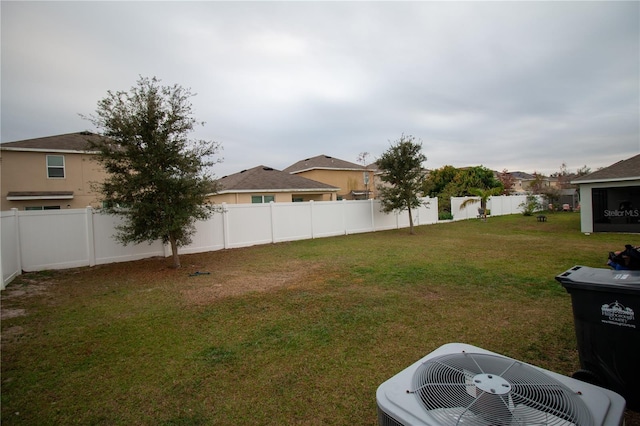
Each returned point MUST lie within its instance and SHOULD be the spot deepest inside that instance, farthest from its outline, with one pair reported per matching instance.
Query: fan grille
(481, 389)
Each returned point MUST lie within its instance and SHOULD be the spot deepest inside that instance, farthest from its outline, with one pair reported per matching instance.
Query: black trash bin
(606, 307)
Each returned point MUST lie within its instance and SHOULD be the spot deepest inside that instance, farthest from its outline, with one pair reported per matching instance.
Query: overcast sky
(522, 86)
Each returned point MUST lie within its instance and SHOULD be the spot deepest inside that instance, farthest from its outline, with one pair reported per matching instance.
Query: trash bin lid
(600, 279)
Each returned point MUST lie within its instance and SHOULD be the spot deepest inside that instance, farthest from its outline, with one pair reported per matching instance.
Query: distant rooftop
(323, 162)
(263, 178)
(68, 142)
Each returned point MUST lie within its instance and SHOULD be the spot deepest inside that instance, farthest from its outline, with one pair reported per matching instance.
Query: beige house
(355, 182)
(263, 184)
(523, 182)
(49, 173)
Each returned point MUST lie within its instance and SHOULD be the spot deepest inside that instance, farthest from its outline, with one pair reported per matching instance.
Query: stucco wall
(27, 171)
(280, 197)
(346, 180)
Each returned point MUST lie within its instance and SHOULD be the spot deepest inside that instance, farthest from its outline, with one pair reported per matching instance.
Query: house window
(55, 166)
(259, 199)
(42, 208)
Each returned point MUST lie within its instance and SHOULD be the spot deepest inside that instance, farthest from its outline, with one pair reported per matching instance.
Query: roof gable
(322, 162)
(268, 179)
(522, 175)
(628, 169)
(68, 142)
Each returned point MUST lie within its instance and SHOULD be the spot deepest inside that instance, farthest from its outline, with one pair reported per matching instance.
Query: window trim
(49, 168)
(262, 199)
(41, 208)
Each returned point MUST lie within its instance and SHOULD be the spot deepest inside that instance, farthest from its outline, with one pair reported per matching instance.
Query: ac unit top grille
(481, 389)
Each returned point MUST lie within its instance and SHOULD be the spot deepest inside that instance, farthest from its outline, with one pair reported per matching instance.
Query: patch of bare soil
(205, 288)
(28, 288)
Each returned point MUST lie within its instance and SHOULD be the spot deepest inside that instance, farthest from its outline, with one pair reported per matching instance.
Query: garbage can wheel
(587, 376)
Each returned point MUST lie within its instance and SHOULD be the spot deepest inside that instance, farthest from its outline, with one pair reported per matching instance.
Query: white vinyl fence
(498, 206)
(59, 239)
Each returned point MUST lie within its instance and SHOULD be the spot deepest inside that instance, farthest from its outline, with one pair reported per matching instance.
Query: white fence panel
(58, 240)
(498, 205)
(291, 221)
(108, 250)
(428, 211)
(10, 266)
(328, 219)
(248, 224)
(209, 236)
(384, 221)
(358, 216)
(470, 211)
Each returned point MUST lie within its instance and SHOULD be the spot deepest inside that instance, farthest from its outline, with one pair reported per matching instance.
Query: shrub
(530, 205)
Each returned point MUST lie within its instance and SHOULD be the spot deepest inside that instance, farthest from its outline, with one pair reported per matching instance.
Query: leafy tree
(483, 196)
(448, 182)
(552, 196)
(538, 184)
(563, 177)
(157, 177)
(582, 171)
(438, 179)
(507, 181)
(363, 158)
(401, 167)
(476, 177)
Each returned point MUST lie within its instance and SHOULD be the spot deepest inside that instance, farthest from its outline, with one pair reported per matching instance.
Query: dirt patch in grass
(29, 287)
(202, 279)
(204, 288)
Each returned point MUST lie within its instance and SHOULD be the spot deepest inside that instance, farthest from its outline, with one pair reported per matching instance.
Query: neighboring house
(52, 172)
(522, 182)
(355, 182)
(263, 184)
(610, 198)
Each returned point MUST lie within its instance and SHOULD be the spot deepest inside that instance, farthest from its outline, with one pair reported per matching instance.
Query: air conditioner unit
(460, 384)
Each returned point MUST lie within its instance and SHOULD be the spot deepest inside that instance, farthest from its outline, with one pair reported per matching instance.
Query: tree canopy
(402, 176)
(158, 179)
(449, 181)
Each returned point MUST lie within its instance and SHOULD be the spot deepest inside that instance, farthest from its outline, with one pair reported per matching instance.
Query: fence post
(18, 240)
(313, 233)
(225, 226)
(91, 246)
(2, 284)
(272, 220)
(16, 248)
(344, 216)
(373, 219)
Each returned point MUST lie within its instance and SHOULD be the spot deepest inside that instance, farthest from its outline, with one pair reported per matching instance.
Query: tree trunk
(174, 252)
(411, 223)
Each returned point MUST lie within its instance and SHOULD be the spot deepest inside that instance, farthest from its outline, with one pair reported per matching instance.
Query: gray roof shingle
(322, 162)
(628, 169)
(262, 178)
(67, 142)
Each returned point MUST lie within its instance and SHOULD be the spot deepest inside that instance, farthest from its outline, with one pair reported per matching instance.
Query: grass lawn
(292, 333)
